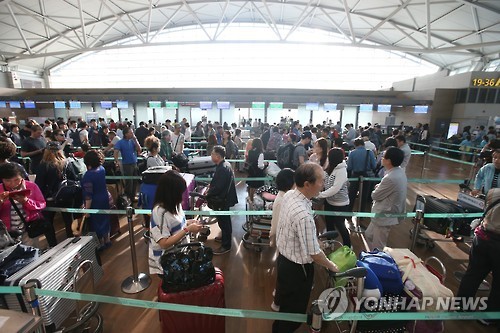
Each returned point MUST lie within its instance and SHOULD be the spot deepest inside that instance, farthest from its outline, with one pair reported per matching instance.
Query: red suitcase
(180, 322)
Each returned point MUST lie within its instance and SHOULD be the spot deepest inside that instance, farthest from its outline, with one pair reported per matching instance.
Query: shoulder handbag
(34, 228)
(188, 267)
(216, 202)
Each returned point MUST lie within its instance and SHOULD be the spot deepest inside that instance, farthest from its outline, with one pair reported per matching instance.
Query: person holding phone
(29, 200)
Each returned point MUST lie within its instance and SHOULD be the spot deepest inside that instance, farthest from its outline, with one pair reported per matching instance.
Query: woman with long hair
(211, 143)
(228, 143)
(49, 175)
(336, 193)
(168, 222)
(320, 153)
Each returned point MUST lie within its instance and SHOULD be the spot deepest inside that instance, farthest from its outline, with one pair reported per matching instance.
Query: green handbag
(345, 259)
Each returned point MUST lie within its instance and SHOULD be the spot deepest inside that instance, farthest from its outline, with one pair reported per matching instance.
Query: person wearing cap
(300, 155)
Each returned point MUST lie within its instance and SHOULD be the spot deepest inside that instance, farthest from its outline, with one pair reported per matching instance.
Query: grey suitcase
(152, 175)
(201, 166)
(54, 270)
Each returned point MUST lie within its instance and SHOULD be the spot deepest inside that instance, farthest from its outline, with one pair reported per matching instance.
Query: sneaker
(274, 292)
(221, 250)
(275, 308)
(218, 239)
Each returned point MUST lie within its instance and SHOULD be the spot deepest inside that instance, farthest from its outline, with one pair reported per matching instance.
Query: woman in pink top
(30, 204)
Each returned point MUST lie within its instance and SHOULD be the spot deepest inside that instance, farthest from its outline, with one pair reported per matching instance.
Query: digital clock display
(486, 82)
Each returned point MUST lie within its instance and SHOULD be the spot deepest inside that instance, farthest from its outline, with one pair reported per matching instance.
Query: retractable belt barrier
(262, 213)
(255, 314)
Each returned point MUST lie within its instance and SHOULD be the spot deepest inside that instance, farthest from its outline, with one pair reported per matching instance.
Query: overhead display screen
(330, 106)
(365, 107)
(223, 105)
(106, 104)
(421, 109)
(29, 104)
(206, 105)
(171, 105)
(3, 104)
(75, 105)
(276, 105)
(60, 104)
(258, 105)
(384, 108)
(122, 104)
(312, 106)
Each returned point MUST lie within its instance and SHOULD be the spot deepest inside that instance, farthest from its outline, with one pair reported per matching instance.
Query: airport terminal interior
(136, 88)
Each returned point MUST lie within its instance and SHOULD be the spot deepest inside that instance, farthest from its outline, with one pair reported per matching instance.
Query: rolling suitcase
(54, 270)
(459, 226)
(180, 322)
(152, 175)
(201, 165)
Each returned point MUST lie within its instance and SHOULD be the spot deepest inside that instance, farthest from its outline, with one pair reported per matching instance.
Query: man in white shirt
(298, 246)
(368, 144)
(401, 140)
(187, 132)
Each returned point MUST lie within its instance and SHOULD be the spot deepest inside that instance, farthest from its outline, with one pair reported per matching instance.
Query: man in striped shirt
(298, 245)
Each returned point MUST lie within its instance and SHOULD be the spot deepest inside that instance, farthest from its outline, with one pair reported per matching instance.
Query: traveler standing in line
(488, 176)
(33, 147)
(300, 155)
(255, 163)
(483, 256)
(401, 140)
(388, 197)
(177, 140)
(284, 183)
(168, 221)
(320, 153)
(129, 149)
(336, 193)
(222, 186)
(298, 246)
(95, 196)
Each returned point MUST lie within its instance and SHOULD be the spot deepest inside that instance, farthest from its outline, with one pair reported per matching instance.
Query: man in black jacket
(222, 186)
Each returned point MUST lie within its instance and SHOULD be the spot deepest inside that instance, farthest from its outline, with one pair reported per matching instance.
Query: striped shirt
(15, 220)
(296, 235)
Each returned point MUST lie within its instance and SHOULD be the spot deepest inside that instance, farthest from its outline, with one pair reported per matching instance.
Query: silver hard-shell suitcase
(201, 165)
(54, 270)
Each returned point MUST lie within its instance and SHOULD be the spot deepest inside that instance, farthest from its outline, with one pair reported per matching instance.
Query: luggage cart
(258, 228)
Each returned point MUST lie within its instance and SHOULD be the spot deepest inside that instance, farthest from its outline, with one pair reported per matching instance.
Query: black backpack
(284, 156)
(75, 135)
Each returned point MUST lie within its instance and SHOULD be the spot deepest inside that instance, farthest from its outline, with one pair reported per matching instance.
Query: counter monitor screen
(75, 105)
(312, 106)
(122, 104)
(365, 107)
(421, 109)
(206, 105)
(106, 104)
(29, 104)
(330, 106)
(384, 108)
(223, 105)
(3, 104)
(60, 105)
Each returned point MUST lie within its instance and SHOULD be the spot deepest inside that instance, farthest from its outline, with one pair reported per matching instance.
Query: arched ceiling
(449, 33)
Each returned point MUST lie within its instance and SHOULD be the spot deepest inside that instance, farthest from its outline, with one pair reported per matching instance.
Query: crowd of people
(315, 162)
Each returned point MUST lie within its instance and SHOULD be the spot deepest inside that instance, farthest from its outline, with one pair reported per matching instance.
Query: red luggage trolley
(180, 322)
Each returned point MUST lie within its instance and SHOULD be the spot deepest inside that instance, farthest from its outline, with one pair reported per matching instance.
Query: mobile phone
(22, 193)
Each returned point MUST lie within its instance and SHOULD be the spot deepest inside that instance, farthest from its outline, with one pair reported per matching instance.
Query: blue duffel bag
(385, 268)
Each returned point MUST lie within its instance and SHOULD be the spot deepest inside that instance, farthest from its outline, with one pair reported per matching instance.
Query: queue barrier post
(416, 228)
(424, 165)
(357, 228)
(138, 281)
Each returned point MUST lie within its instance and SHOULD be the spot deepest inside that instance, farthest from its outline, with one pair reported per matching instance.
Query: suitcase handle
(189, 244)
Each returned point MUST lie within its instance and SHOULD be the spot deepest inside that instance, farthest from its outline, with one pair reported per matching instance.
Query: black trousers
(224, 222)
(366, 199)
(338, 222)
(483, 259)
(294, 287)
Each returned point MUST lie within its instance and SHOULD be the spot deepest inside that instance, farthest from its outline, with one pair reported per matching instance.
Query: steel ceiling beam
(82, 22)
(301, 19)
(193, 13)
(232, 20)
(41, 3)
(271, 18)
(385, 20)
(349, 21)
(221, 19)
(169, 19)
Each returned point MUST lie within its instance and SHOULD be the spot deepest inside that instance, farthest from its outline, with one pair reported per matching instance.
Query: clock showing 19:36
(486, 82)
